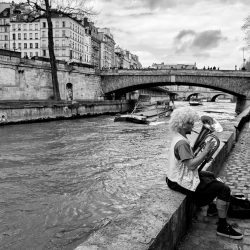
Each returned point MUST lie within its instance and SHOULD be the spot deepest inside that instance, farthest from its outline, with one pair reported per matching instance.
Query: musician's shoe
(228, 231)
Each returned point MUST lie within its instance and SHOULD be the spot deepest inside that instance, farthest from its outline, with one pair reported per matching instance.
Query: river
(61, 181)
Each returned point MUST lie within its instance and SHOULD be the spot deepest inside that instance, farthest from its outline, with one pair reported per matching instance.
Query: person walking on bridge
(183, 175)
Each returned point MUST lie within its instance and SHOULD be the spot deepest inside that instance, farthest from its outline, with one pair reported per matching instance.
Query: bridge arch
(191, 95)
(232, 82)
(213, 99)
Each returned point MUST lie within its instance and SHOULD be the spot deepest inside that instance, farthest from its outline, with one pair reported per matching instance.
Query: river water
(61, 181)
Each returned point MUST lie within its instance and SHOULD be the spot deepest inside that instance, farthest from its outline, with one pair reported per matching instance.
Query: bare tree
(246, 29)
(44, 8)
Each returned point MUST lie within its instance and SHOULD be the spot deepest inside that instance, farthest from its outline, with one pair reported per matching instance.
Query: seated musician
(183, 175)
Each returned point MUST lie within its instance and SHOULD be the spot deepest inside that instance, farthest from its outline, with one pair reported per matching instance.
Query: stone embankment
(161, 217)
(36, 111)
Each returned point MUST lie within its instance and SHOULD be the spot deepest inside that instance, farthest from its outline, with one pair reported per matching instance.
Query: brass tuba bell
(209, 126)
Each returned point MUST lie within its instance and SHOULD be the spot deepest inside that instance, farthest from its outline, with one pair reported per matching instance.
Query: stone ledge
(160, 220)
(162, 217)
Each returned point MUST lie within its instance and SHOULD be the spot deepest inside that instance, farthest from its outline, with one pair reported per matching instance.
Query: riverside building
(75, 38)
(71, 43)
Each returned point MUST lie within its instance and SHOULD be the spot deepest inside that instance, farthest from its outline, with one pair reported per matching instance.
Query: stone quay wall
(26, 79)
(26, 91)
(161, 217)
(37, 111)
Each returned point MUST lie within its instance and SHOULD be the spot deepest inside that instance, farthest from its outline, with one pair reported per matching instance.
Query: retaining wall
(22, 112)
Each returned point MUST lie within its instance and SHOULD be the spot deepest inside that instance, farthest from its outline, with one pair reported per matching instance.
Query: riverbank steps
(161, 217)
(12, 112)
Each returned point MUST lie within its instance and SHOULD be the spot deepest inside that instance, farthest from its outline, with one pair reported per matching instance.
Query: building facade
(75, 38)
(92, 31)
(107, 59)
(71, 43)
(5, 29)
(126, 60)
(173, 66)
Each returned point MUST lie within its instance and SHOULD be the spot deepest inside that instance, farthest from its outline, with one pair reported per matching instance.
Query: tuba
(209, 126)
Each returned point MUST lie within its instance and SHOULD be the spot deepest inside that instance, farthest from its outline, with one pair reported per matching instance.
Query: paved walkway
(236, 173)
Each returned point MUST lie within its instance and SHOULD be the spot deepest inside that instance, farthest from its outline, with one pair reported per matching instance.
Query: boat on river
(145, 112)
(195, 102)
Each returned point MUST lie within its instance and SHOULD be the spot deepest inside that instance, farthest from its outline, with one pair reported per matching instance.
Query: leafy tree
(44, 8)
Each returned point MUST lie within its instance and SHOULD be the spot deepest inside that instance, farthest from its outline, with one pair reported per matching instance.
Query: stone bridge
(236, 83)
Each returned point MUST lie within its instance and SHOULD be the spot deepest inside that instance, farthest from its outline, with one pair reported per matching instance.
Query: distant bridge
(206, 93)
(236, 83)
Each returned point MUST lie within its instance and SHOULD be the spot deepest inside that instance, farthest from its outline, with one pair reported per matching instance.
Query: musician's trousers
(206, 191)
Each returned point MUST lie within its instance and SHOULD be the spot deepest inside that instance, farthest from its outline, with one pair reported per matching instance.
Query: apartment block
(107, 59)
(92, 30)
(76, 39)
(71, 43)
(126, 60)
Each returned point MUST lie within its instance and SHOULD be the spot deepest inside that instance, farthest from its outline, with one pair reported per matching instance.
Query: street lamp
(243, 59)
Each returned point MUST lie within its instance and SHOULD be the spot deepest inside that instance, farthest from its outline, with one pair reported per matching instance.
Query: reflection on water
(60, 181)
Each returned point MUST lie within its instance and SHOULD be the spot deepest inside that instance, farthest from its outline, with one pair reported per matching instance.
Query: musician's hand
(209, 146)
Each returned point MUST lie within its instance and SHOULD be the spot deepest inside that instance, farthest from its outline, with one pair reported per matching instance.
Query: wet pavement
(236, 173)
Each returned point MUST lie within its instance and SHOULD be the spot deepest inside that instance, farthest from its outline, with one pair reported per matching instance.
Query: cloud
(208, 39)
(169, 4)
(199, 42)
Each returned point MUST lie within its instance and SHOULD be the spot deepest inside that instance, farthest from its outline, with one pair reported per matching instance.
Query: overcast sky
(207, 32)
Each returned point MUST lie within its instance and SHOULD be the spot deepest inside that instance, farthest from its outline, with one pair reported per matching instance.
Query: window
(43, 34)
(36, 53)
(63, 33)
(31, 26)
(25, 54)
(31, 36)
(36, 45)
(44, 24)
(57, 33)
(19, 26)
(44, 52)
(36, 35)
(25, 36)
(5, 29)
(31, 45)
(25, 27)
(13, 27)
(63, 43)
(57, 43)
(25, 45)
(57, 24)
(6, 38)
(14, 45)
(36, 26)
(43, 43)
(31, 54)
(19, 46)
(14, 36)
(63, 24)
(19, 36)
